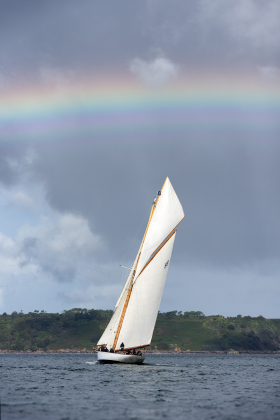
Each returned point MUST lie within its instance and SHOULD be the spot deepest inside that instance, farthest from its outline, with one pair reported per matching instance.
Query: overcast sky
(99, 102)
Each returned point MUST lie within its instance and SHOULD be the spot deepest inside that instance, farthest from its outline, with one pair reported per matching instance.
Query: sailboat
(132, 324)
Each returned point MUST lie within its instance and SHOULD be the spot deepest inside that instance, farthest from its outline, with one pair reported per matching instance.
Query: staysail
(136, 310)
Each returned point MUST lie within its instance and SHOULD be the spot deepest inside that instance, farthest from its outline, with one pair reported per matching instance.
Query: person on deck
(112, 351)
(122, 346)
(134, 351)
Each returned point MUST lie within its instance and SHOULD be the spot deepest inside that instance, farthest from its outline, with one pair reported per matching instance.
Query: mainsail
(136, 310)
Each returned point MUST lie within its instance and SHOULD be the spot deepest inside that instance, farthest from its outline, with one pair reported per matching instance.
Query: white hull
(107, 357)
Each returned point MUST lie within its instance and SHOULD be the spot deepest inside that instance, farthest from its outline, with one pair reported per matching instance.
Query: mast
(133, 276)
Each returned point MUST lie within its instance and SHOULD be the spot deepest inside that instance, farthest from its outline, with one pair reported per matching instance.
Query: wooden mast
(132, 278)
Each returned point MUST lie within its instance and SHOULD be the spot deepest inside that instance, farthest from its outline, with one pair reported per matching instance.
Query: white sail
(168, 213)
(148, 273)
(141, 314)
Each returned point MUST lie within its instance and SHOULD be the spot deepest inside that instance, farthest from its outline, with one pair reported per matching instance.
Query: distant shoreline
(149, 352)
(78, 331)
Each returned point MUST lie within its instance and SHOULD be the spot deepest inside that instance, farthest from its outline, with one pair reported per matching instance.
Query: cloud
(15, 162)
(22, 200)
(253, 22)
(155, 73)
(76, 296)
(269, 72)
(59, 248)
(63, 249)
(47, 256)
(9, 259)
(98, 185)
(6, 243)
(55, 263)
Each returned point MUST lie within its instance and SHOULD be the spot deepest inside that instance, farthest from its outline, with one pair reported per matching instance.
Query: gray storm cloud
(229, 191)
(253, 22)
(99, 188)
(55, 40)
(60, 248)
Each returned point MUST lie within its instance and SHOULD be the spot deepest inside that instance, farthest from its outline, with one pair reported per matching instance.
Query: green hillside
(194, 331)
(79, 329)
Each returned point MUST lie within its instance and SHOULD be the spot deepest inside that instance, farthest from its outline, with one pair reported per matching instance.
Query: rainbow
(107, 105)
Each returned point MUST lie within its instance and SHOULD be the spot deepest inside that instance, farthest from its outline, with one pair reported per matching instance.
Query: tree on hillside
(193, 314)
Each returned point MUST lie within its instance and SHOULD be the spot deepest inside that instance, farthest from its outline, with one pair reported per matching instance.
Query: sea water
(62, 387)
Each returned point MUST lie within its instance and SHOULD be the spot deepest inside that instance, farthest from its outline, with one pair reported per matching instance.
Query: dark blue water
(166, 386)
